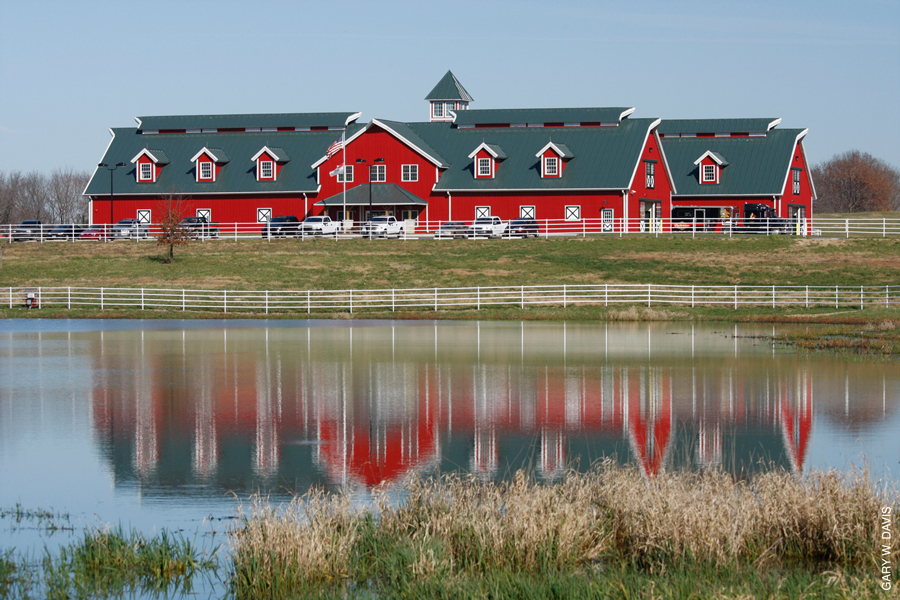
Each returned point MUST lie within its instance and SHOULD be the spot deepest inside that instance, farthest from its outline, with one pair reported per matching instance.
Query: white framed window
(377, 173)
(344, 216)
(709, 173)
(607, 219)
(143, 216)
(484, 167)
(449, 106)
(266, 169)
(526, 212)
(206, 170)
(796, 182)
(347, 175)
(650, 171)
(205, 213)
(263, 215)
(145, 172)
(551, 166)
(407, 215)
(437, 109)
(482, 211)
(573, 213)
(410, 173)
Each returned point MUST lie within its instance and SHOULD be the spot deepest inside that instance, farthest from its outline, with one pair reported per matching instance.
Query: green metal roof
(501, 116)
(757, 165)
(383, 194)
(449, 88)
(335, 120)
(239, 176)
(605, 157)
(713, 126)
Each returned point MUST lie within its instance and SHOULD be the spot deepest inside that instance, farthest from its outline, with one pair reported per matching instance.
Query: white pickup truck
(383, 226)
(487, 227)
(320, 225)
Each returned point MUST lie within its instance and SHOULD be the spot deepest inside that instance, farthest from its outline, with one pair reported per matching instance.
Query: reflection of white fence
(308, 301)
(546, 228)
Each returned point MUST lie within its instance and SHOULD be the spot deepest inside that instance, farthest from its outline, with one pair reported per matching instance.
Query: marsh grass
(455, 531)
(878, 337)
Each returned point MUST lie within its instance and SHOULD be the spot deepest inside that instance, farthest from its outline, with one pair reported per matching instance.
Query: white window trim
(212, 171)
(259, 170)
(795, 182)
(437, 110)
(141, 177)
(348, 174)
(650, 175)
(490, 168)
(482, 212)
(573, 213)
(144, 215)
(714, 172)
(379, 172)
(263, 215)
(527, 212)
(409, 173)
(205, 212)
(548, 160)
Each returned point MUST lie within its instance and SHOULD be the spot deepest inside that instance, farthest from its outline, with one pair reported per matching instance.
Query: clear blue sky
(70, 70)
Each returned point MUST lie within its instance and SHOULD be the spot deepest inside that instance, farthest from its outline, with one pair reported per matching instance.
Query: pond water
(168, 424)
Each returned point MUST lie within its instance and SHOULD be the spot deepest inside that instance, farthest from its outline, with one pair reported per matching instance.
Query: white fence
(417, 229)
(309, 301)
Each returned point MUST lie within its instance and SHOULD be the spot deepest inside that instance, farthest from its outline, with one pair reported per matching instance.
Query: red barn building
(565, 164)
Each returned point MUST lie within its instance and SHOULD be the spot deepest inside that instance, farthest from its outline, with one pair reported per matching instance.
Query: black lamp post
(111, 169)
(377, 160)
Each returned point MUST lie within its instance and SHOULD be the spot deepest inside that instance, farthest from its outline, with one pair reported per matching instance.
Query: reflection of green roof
(756, 165)
(606, 156)
(688, 126)
(449, 88)
(506, 116)
(383, 194)
(292, 120)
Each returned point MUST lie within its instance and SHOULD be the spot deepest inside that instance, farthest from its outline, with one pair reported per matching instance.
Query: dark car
(281, 226)
(524, 228)
(759, 218)
(65, 232)
(28, 230)
(200, 227)
(451, 229)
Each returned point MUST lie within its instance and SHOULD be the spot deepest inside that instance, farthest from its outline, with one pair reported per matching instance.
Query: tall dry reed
(458, 524)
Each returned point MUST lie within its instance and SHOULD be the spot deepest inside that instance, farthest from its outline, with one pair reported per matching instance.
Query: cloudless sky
(70, 70)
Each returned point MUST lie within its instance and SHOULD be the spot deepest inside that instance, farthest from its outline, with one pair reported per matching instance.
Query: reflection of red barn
(649, 406)
(796, 415)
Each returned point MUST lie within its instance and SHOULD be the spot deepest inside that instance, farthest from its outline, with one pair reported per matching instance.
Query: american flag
(335, 147)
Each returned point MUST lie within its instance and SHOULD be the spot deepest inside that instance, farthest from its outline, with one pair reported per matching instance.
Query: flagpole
(344, 175)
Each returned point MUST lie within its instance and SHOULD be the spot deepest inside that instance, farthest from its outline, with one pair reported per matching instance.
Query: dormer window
(709, 167)
(208, 163)
(553, 159)
(148, 164)
(269, 162)
(486, 158)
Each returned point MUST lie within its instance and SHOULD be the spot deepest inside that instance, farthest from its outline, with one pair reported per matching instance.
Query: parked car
(65, 232)
(200, 227)
(320, 225)
(487, 227)
(524, 227)
(281, 226)
(383, 226)
(130, 229)
(451, 229)
(759, 218)
(95, 232)
(28, 230)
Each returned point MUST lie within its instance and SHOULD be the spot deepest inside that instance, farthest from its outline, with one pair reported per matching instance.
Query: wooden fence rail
(309, 301)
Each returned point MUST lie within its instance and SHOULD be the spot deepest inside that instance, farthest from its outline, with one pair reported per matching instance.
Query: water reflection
(284, 407)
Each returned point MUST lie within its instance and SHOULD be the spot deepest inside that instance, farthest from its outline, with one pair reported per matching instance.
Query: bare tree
(173, 232)
(66, 204)
(33, 197)
(10, 190)
(856, 182)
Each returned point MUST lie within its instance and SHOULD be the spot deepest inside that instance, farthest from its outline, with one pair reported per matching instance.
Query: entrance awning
(383, 194)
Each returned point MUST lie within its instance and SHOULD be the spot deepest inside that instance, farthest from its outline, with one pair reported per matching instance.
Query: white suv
(383, 226)
(487, 226)
(321, 225)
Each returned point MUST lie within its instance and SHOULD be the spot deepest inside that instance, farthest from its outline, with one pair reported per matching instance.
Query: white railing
(309, 301)
(544, 228)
